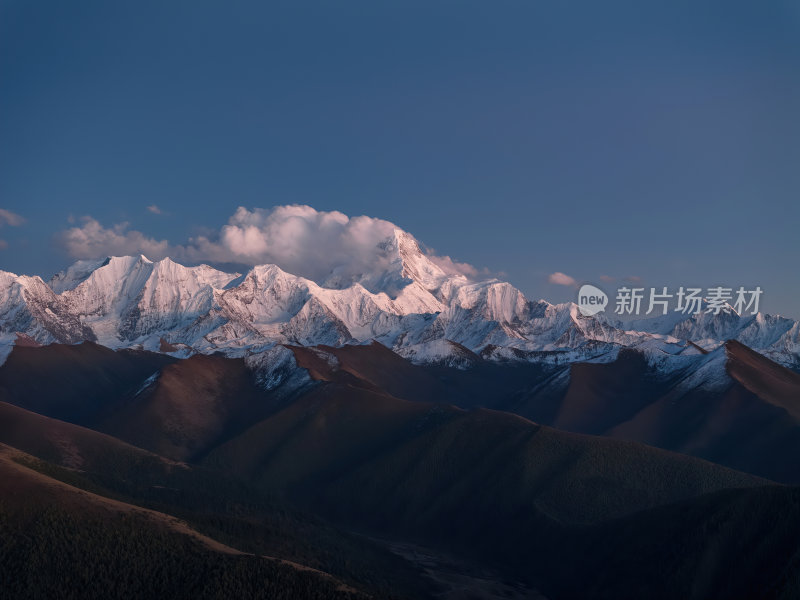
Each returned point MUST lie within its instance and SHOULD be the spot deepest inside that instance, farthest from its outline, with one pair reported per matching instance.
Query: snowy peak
(74, 275)
(125, 298)
(167, 270)
(401, 262)
(30, 307)
(114, 266)
(412, 305)
(112, 286)
(416, 266)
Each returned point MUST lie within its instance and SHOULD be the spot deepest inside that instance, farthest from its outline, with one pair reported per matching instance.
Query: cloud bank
(10, 218)
(560, 278)
(319, 245)
(92, 240)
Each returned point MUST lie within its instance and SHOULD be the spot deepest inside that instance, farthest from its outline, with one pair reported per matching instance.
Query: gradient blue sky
(651, 139)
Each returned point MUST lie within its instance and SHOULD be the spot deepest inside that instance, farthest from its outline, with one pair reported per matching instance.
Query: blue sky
(659, 140)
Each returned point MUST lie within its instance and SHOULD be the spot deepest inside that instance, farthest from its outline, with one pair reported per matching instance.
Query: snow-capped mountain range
(414, 307)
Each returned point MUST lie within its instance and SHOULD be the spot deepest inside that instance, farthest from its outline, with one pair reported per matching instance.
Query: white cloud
(319, 245)
(155, 210)
(561, 279)
(300, 240)
(10, 218)
(92, 240)
(452, 267)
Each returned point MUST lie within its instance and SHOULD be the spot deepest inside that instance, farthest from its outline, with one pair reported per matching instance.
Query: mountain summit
(422, 306)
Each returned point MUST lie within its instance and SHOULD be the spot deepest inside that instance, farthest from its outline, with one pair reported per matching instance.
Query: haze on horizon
(622, 140)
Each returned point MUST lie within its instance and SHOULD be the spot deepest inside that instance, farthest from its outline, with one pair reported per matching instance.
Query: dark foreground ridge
(340, 472)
